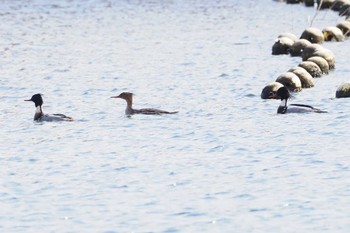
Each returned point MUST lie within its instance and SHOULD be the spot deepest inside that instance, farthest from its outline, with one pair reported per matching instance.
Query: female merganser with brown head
(127, 96)
(40, 116)
(284, 94)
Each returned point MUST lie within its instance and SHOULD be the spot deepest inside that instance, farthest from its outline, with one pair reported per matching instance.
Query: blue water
(226, 163)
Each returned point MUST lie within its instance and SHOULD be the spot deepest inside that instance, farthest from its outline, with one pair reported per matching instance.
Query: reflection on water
(226, 161)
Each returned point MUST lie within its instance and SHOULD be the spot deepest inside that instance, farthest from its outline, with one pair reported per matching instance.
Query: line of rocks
(316, 60)
(341, 6)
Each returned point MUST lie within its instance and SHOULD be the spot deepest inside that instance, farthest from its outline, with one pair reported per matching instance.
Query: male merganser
(130, 111)
(283, 94)
(40, 116)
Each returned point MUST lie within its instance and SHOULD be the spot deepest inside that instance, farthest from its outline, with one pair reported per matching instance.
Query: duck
(284, 94)
(39, 114)
(127, 96)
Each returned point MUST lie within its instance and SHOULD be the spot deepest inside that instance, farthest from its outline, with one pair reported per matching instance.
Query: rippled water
(226, 163)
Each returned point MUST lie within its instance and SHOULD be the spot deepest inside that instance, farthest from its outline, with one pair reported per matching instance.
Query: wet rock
(317, 50)
(310, 49)
(328, 56)
(338, 4)
(309, 2)
(269, 91)
(304, 76)
(343, 91)
(294, 1)
(314, 35)
(290, 81)
(297, 48)
(332, 33)
(289, 35)
(345, 9)
(321, 62)
(344, 27)
(312, 68)
(326, 4)
(282, 45)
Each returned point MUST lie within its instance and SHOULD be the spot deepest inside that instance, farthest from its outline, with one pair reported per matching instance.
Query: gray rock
(312, 68)
(314, 35)
(305, 78)
(332, 33)
(297, 48)
(269, 91)
(344, 27)
(321, 62)
(343, 91)
(282, 45)
(326, 4)
(290, 81)
(317, 50)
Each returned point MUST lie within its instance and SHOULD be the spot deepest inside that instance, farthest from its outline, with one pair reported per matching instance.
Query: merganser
(284, 94)
(127, 96)
(40, 116)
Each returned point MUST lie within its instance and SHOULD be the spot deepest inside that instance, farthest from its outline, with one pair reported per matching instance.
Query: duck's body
(296, 108)
(127, 96)
(148, 111)
(284, 95)
(39, 114)
(54, 117)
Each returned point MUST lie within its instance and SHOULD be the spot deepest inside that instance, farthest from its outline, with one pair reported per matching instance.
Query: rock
(304, 76)
(345, 9)
(338, 4)
(282, 45)
(317, 50)
(326, 4)
(293, 1)
(289, 35)
(309, 2)
(344, 27)
(290, 81)
(297, 48)
(343, 91)
(310, 49)
(321, 62)
(312, 68)
(328, 56)
(332, 34)
(269, 91)
(314, 35)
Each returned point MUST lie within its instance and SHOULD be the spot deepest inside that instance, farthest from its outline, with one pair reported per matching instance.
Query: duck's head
(283, 93)
(37, 99)
(124, 95)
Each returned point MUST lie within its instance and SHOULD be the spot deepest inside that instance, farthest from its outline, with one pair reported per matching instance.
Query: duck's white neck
(38, 113)
(38, 109)
(283, 103)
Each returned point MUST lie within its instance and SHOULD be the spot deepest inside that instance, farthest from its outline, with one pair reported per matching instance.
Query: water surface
(226, 163)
